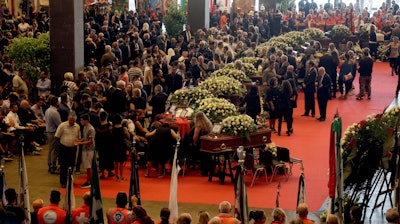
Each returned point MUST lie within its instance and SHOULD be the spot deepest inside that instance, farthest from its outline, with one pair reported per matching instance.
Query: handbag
(348, 76)
(388, 52)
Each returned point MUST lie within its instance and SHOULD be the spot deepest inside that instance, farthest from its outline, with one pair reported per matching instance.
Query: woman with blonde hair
(204, 217)
(279, 216)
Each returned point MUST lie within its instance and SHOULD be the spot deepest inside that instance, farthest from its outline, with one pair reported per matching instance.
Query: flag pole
(173, 193)
(278, 192)
(134, 189)
(23, 182)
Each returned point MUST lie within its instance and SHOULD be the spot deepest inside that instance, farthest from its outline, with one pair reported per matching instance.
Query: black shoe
(322, 119)
(111, 174)
(304, 115)
(85, 185)
(102, 177)
(319, 118)
(312, 115)
(288, 133)
(291, 130)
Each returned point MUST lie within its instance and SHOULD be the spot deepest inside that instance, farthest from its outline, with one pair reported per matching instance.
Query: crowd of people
(55, 214)
(131, 67)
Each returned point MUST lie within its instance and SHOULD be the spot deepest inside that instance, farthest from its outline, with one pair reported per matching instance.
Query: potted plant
(174, 19)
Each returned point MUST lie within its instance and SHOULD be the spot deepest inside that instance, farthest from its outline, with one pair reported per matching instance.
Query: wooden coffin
(213, 143)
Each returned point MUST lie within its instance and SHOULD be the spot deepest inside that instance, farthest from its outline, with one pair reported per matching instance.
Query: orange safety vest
(80, 215)
(51, 214)
(227, 219)
(118, 216)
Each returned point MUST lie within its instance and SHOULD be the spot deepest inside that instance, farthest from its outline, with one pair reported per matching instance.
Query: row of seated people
(136, 214)
(22, 125)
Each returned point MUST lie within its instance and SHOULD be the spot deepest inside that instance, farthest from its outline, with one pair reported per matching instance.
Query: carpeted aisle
(310, 142)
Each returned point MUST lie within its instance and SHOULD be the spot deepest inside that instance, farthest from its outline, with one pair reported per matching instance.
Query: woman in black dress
(161, 142)
(102, 140)
(252, 101)
(273, 94)
(120, 149)
(284, 107)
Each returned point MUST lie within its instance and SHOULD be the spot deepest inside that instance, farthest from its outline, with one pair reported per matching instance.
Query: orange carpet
(309, 142)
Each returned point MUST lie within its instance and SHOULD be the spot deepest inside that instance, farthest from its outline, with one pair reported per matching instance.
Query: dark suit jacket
(309, 80)
(324, 91)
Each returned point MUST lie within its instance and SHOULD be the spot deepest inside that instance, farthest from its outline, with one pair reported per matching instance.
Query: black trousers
(66, 158)
(309, 101)
(322, 105)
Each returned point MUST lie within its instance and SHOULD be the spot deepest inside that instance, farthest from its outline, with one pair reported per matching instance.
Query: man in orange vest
(120, 215)
(81, 215)
(302, 211)
(52, 213)
(224, 213)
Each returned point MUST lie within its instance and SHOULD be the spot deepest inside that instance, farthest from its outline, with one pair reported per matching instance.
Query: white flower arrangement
(217, 109)
(253, 60)
(223, 86)
(340, 31)
(294, 38)
(249, 68)
(232, 73)
(240, 125)
(314, 33)
(272, 148)
(191, 96)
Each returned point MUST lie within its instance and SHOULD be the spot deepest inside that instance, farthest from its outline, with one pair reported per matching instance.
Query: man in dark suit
(186, 34)
(330, 66)
(366, 64)
(173, 81)
(323, 91)
(309, 88)
(158, 101)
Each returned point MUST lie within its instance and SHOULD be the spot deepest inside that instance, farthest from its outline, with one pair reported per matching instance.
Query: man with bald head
(225, 208)
(392, 216)
(302, 212)
(323, 92)
(81, 214)
(332, 219)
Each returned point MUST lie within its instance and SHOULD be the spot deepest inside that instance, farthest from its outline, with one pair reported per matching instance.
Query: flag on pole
(278, 192)
(173, 193)
(335, 183)
(134, 188)
(3, 186)
(241, 205)
(24, 187)
(96, 204)
(69, 201)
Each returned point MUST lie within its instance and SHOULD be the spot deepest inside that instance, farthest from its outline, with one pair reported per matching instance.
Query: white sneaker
(38, 149)
(36, 144)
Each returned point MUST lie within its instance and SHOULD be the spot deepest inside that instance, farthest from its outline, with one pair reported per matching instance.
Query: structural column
(199, 14)
(66, 39)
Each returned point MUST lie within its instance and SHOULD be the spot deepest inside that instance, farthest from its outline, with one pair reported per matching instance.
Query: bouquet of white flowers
(232, 73)
(223, 86)
(217, 109)
(340, 31)
(240, 125)
(249, 68)
(314, 33)
(191, 96)
(272, 148)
